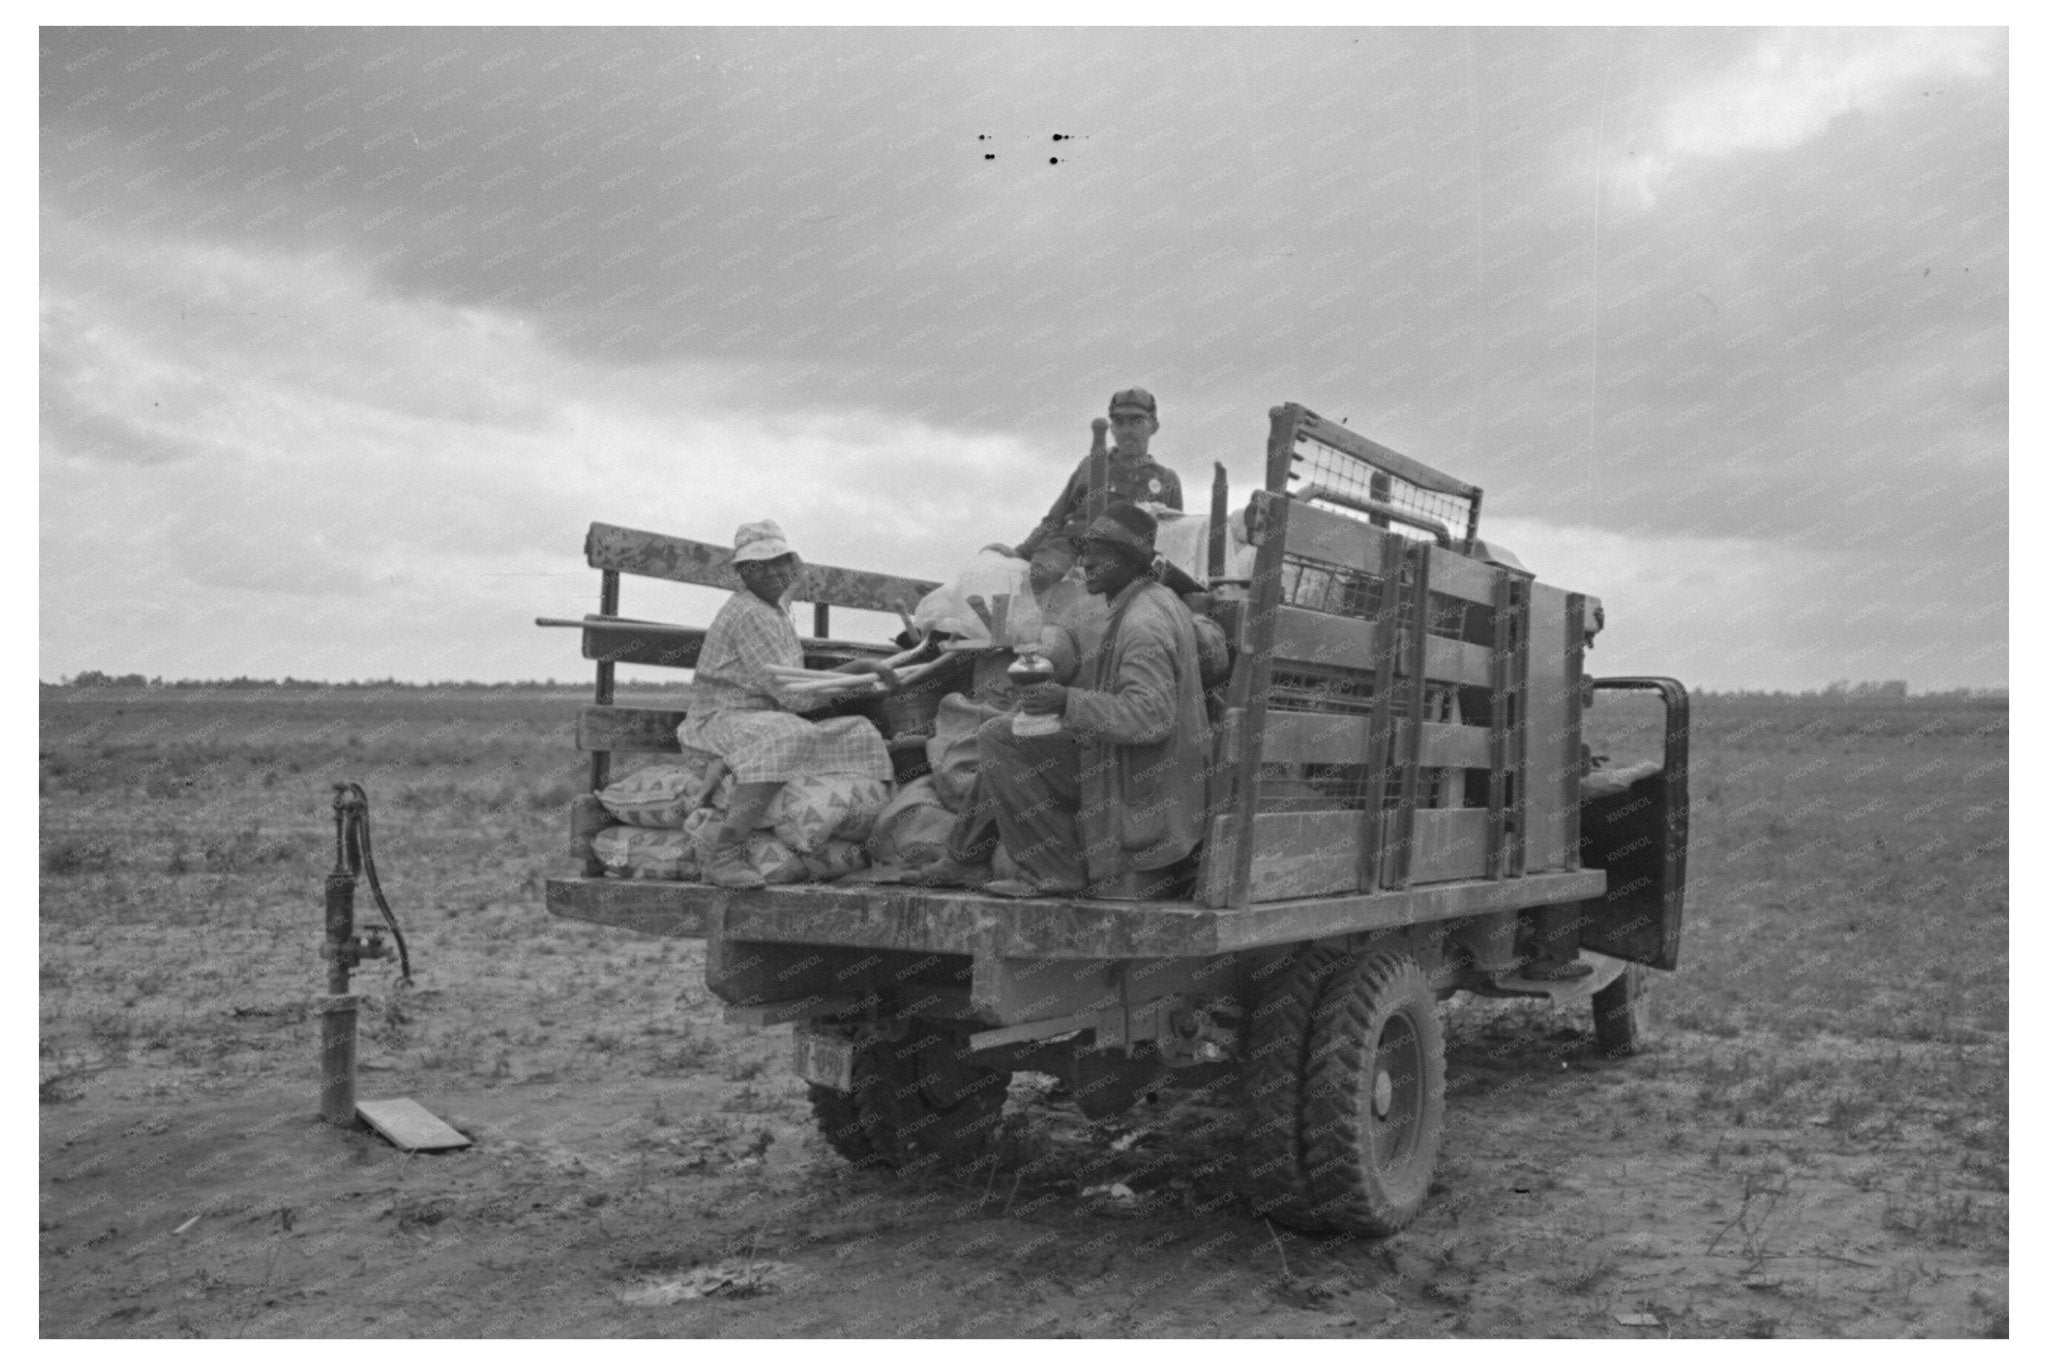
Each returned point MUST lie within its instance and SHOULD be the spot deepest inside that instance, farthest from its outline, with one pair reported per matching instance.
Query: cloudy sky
(347, 336)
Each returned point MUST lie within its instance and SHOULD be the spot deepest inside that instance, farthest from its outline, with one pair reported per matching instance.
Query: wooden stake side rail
(868, 916)
(620, 549)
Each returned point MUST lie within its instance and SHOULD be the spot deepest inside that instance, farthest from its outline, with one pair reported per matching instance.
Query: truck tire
(1273, 1164)
(1621, 1025)
(839, 1123)
(1375, 1096)
(918, 1104)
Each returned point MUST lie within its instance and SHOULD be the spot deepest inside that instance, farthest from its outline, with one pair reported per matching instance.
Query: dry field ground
(1816, 1146)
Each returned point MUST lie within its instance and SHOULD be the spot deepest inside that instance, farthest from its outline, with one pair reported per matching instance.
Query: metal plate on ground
(822, 1059)
(409, 1125)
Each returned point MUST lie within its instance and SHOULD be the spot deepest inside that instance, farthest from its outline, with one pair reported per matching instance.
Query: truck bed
(945, 921)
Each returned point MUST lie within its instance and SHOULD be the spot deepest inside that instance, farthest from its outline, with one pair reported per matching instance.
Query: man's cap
(1125, 524)
(1133, 400)
(759, 540)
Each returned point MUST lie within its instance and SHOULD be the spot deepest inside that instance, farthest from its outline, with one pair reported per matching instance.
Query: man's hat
(1133, 400)
(1125, 524)
(759, 540)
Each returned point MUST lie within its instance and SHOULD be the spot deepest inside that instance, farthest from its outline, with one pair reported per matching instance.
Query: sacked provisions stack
(670, 812)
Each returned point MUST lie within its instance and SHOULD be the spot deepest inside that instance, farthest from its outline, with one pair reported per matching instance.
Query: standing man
(1134, 476)
(1119, 790)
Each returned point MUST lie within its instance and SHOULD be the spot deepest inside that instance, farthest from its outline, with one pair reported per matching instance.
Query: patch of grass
(70, 857)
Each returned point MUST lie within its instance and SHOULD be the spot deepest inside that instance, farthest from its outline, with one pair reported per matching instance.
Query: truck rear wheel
(1274, 1165)
(1621, 1025)
(1374, 1116)
(918, 1103)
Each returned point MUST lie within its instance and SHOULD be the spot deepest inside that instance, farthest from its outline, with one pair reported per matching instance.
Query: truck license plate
(823, 1059)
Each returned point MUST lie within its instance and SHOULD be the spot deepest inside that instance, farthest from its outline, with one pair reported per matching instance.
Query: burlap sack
(658, 854)
(834, 860)
(954, 751)
(810, 810)
(913, 827)
(657, 796)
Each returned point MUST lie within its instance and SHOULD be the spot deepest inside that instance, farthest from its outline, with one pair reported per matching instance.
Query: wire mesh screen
(1337, 478)
(1317, 585)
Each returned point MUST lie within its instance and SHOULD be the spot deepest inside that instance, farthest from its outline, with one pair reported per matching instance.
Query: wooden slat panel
(627, 729)
(1460, 576)
(667, 648)
(1302, 737)
(1549, 774)
(1450, 845)
(1372, 846)
(1303, 636)
(652, 555)
(1227, 880)
(1295, 921)
(1409, 756)
(1329, 537)
(1315, 637)
(1318, 533)
(1299, 853)
(1455, 746)
(1459, 661)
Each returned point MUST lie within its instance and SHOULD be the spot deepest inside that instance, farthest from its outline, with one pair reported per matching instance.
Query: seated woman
(741, 712)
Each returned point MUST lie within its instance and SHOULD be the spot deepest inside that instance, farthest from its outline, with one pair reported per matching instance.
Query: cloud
(322, 458)
(1791, 86)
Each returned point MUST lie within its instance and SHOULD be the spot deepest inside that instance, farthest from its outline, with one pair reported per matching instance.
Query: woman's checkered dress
(735, 713)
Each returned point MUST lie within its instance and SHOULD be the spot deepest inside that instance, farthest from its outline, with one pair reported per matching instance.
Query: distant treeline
(1865, 694)
(1892, 693)
(92, 678)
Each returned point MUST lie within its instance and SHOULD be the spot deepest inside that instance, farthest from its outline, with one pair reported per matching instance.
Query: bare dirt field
(1815, 1146)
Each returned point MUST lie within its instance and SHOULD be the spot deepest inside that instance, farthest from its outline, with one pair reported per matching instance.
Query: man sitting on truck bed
(738, 712)
(1118, 791)
(1134, 476)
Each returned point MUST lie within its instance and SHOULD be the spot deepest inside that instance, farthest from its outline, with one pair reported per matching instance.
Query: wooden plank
(1300, 853)
(955, 922)
(1318, 533)
(1332, 538)
(1461, 576)
(607, 605)
(1518, 738)
(1283, 922)
(1417, 611)
(652, 555)
(791, 1011)
(1450, 845)
(410, 1125)
(1346, 737)
(1500, 713)
(627, 729)
(1458, 661)
(1315, 637)
(1308, 424)
(1575, 722)
(1231, 885)
(1550, 701)
(1372, 860)
(663, 647)
(587, 819)
(1452, 746)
